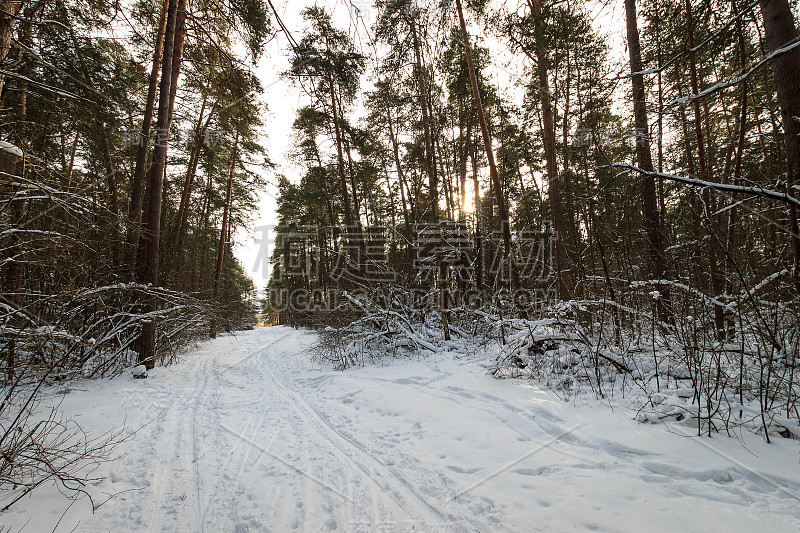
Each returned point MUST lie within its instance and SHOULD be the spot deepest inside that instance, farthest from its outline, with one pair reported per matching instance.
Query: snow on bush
(663, 366)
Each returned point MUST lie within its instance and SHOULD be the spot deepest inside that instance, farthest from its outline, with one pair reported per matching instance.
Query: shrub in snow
(672, 367)
(39, 446)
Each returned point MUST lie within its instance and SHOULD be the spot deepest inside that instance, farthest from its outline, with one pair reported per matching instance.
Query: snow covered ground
(246, 435)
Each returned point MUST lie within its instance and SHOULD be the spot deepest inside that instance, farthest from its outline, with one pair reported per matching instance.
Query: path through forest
(246, 434)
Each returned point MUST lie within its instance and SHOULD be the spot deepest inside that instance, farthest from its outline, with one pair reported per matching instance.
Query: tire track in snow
(353, 454)
(320, 467)
(229, 481)
(305, 461)
(180, 427)
(237, 474)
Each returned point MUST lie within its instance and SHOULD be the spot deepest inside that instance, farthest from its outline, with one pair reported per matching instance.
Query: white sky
(283, 99)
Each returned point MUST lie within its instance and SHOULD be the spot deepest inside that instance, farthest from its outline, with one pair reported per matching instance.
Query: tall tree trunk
(704, 168)
(356, 204)
(502, 210)
(478, 210)
(71, 168)
(177, 54)
(400, 176)
(9, 10)
(649, 199)
(191, 171)
(780, 31)
(162, 137)
(21, 111)
(348, 214)
(554, 193)
(328, 202)
(140, 170)
(392, 208)
(183, 220)
(198, 274)
(111, 174)
(149, 270)
(661, 199)
(463, 137)
(565, 118)
(445, 174)
(430, 165)
(223, 232)
(179, 232)
(732, 239)
(12, 282)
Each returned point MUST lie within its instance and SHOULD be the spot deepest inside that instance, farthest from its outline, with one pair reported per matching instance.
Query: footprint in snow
(462, 470)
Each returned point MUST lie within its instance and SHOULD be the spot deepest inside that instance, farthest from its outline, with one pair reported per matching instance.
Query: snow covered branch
(723, 187)
(735, 81)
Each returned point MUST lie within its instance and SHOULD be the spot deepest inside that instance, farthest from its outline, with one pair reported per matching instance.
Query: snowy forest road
(246, 434)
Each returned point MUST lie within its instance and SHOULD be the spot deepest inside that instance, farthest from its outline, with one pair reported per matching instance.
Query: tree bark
(71, 167)
(356, 204)
(223, 232)
(9, 10)
(400, 176)
(430, 166)
(177, 54)
(348, 214)
(780, 31)
(649, 199)
(191, 169)
(563, 267)
(140, 170)
(21, 111)
(462, 159)
(661, 199)
(733, 217)
(186, 196)
(12, 280)
(705, 175)
(502, 210)
(149, 270)
(478, 211)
